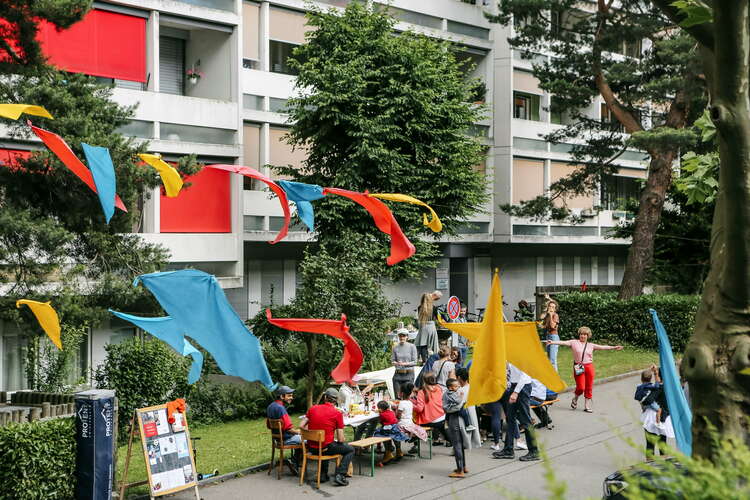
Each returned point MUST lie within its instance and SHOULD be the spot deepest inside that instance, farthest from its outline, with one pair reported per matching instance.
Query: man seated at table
(277, 411)
(327, 418)
(349, 393)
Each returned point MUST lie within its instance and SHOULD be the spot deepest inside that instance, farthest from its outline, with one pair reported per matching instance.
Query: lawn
(233, 446)
(608, 363)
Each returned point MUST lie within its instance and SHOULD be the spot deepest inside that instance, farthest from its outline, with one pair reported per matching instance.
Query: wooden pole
(124, 481)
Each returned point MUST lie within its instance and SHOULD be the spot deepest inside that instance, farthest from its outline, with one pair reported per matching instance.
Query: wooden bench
(369, 442)
(428, 430)
(544, 408)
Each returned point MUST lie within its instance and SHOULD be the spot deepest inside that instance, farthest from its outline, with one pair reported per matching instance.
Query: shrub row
(37, 460)
(628, 321)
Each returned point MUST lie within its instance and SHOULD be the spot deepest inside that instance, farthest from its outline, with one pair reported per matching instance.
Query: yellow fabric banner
(47, 318)
(14, 111)
(433, 223)
(497, 342)
(169, 175)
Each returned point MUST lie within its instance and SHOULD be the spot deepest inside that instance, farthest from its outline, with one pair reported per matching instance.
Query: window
(171, 65)
(280, 54)
(277, 105)
(556, 116)
(13, 361)
(528, 179)
(633, 49)
(251, 101)
(617, 190)
(272, 283)
(608, 120)
(526, 106)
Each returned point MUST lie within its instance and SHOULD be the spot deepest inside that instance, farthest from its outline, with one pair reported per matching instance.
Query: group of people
(436, 399)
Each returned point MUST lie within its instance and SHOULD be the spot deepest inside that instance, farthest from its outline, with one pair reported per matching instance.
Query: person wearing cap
(277, 411)
(326, 417)
(403, 358)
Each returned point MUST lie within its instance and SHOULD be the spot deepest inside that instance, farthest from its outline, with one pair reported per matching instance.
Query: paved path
(583, 449)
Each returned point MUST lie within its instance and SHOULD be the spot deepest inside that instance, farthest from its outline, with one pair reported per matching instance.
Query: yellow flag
(13, 111)
(497, 342)
(169, 175)
(47, 318)
(433, 223)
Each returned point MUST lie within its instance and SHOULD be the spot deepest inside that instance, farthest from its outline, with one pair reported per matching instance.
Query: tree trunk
(310, 343)
(641, 252)
(719, 350)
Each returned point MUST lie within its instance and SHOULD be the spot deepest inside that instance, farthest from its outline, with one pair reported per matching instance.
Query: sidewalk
(583, 448)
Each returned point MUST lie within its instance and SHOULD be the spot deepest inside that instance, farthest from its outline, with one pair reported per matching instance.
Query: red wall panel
(104, 44)
(204, 207)
(8, 157)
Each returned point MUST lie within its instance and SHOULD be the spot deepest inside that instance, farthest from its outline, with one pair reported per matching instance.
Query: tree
(651, 96)
(332, 284)
(19, 23)
(388, 113)
(717, 360)
(54, 242)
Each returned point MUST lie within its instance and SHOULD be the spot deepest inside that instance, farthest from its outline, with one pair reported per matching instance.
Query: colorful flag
(433, 223)
(401, 247)
(170, 177)
(496, 343)
(254, 174)
(47, 318)
(302, 194)
(166, 330)
(352, 359)
(14, 111)
(679, 410)
(100, 164)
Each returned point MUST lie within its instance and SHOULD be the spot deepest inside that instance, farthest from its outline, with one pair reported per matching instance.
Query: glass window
(137, 128)
(529, 144)
(251, 64)
(526, 106)
(555, 115)
(276, 105)
(280, 54)
(253, 222)
(617, 190)
(190, 133)
(250, 101)
(468, 30)
(527, 230)
(171, 65)
(14, 359)
(574, 231)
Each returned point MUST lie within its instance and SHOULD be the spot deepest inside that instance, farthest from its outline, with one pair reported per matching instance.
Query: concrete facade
(231, 115)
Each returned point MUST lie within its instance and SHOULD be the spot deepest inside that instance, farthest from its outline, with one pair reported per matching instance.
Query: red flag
(57, 145)
(350, 363)
(254, 174)
(401, 247)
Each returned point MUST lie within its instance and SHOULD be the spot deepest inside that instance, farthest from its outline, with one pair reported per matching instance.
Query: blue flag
(198, 307)
(166, 330)
(302, 194)
(682, 417)
(103, 172)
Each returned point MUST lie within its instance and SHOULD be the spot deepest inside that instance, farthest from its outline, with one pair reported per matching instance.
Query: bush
(37, 460)
(628, 321)
(143, 372)
(212, 402)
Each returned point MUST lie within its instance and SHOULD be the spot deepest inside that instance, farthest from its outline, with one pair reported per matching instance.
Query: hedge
(628, 321)
(37, 459)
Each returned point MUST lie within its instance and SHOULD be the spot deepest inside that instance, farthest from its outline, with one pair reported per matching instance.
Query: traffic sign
(454, 307)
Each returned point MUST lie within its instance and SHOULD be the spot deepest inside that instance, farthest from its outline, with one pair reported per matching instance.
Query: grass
(608, 363)
(233, 446)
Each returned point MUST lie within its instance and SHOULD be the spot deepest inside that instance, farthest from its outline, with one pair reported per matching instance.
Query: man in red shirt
(328, 418)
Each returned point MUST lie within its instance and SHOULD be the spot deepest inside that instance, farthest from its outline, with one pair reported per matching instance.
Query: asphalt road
(582, 449)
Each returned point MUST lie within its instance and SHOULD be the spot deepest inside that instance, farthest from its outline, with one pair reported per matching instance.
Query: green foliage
(387, 114)
(53, 366)
(681, 244)
(37, 460)
(143, 372)
(213, 402)
(695, 11)
(628, 321)
(333, 282)
(19, 48)
(583, 66)
(699, 179)
(725, 476)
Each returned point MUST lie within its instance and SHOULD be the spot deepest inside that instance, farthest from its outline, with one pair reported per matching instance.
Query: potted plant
(193, 75)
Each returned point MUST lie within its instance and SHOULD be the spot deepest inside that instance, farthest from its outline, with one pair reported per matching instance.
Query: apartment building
(234, 114)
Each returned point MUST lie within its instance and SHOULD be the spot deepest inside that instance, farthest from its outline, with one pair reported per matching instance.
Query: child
(647, 394)
(389, 428)
(405, 409)
(452, 404)
(462, 374)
